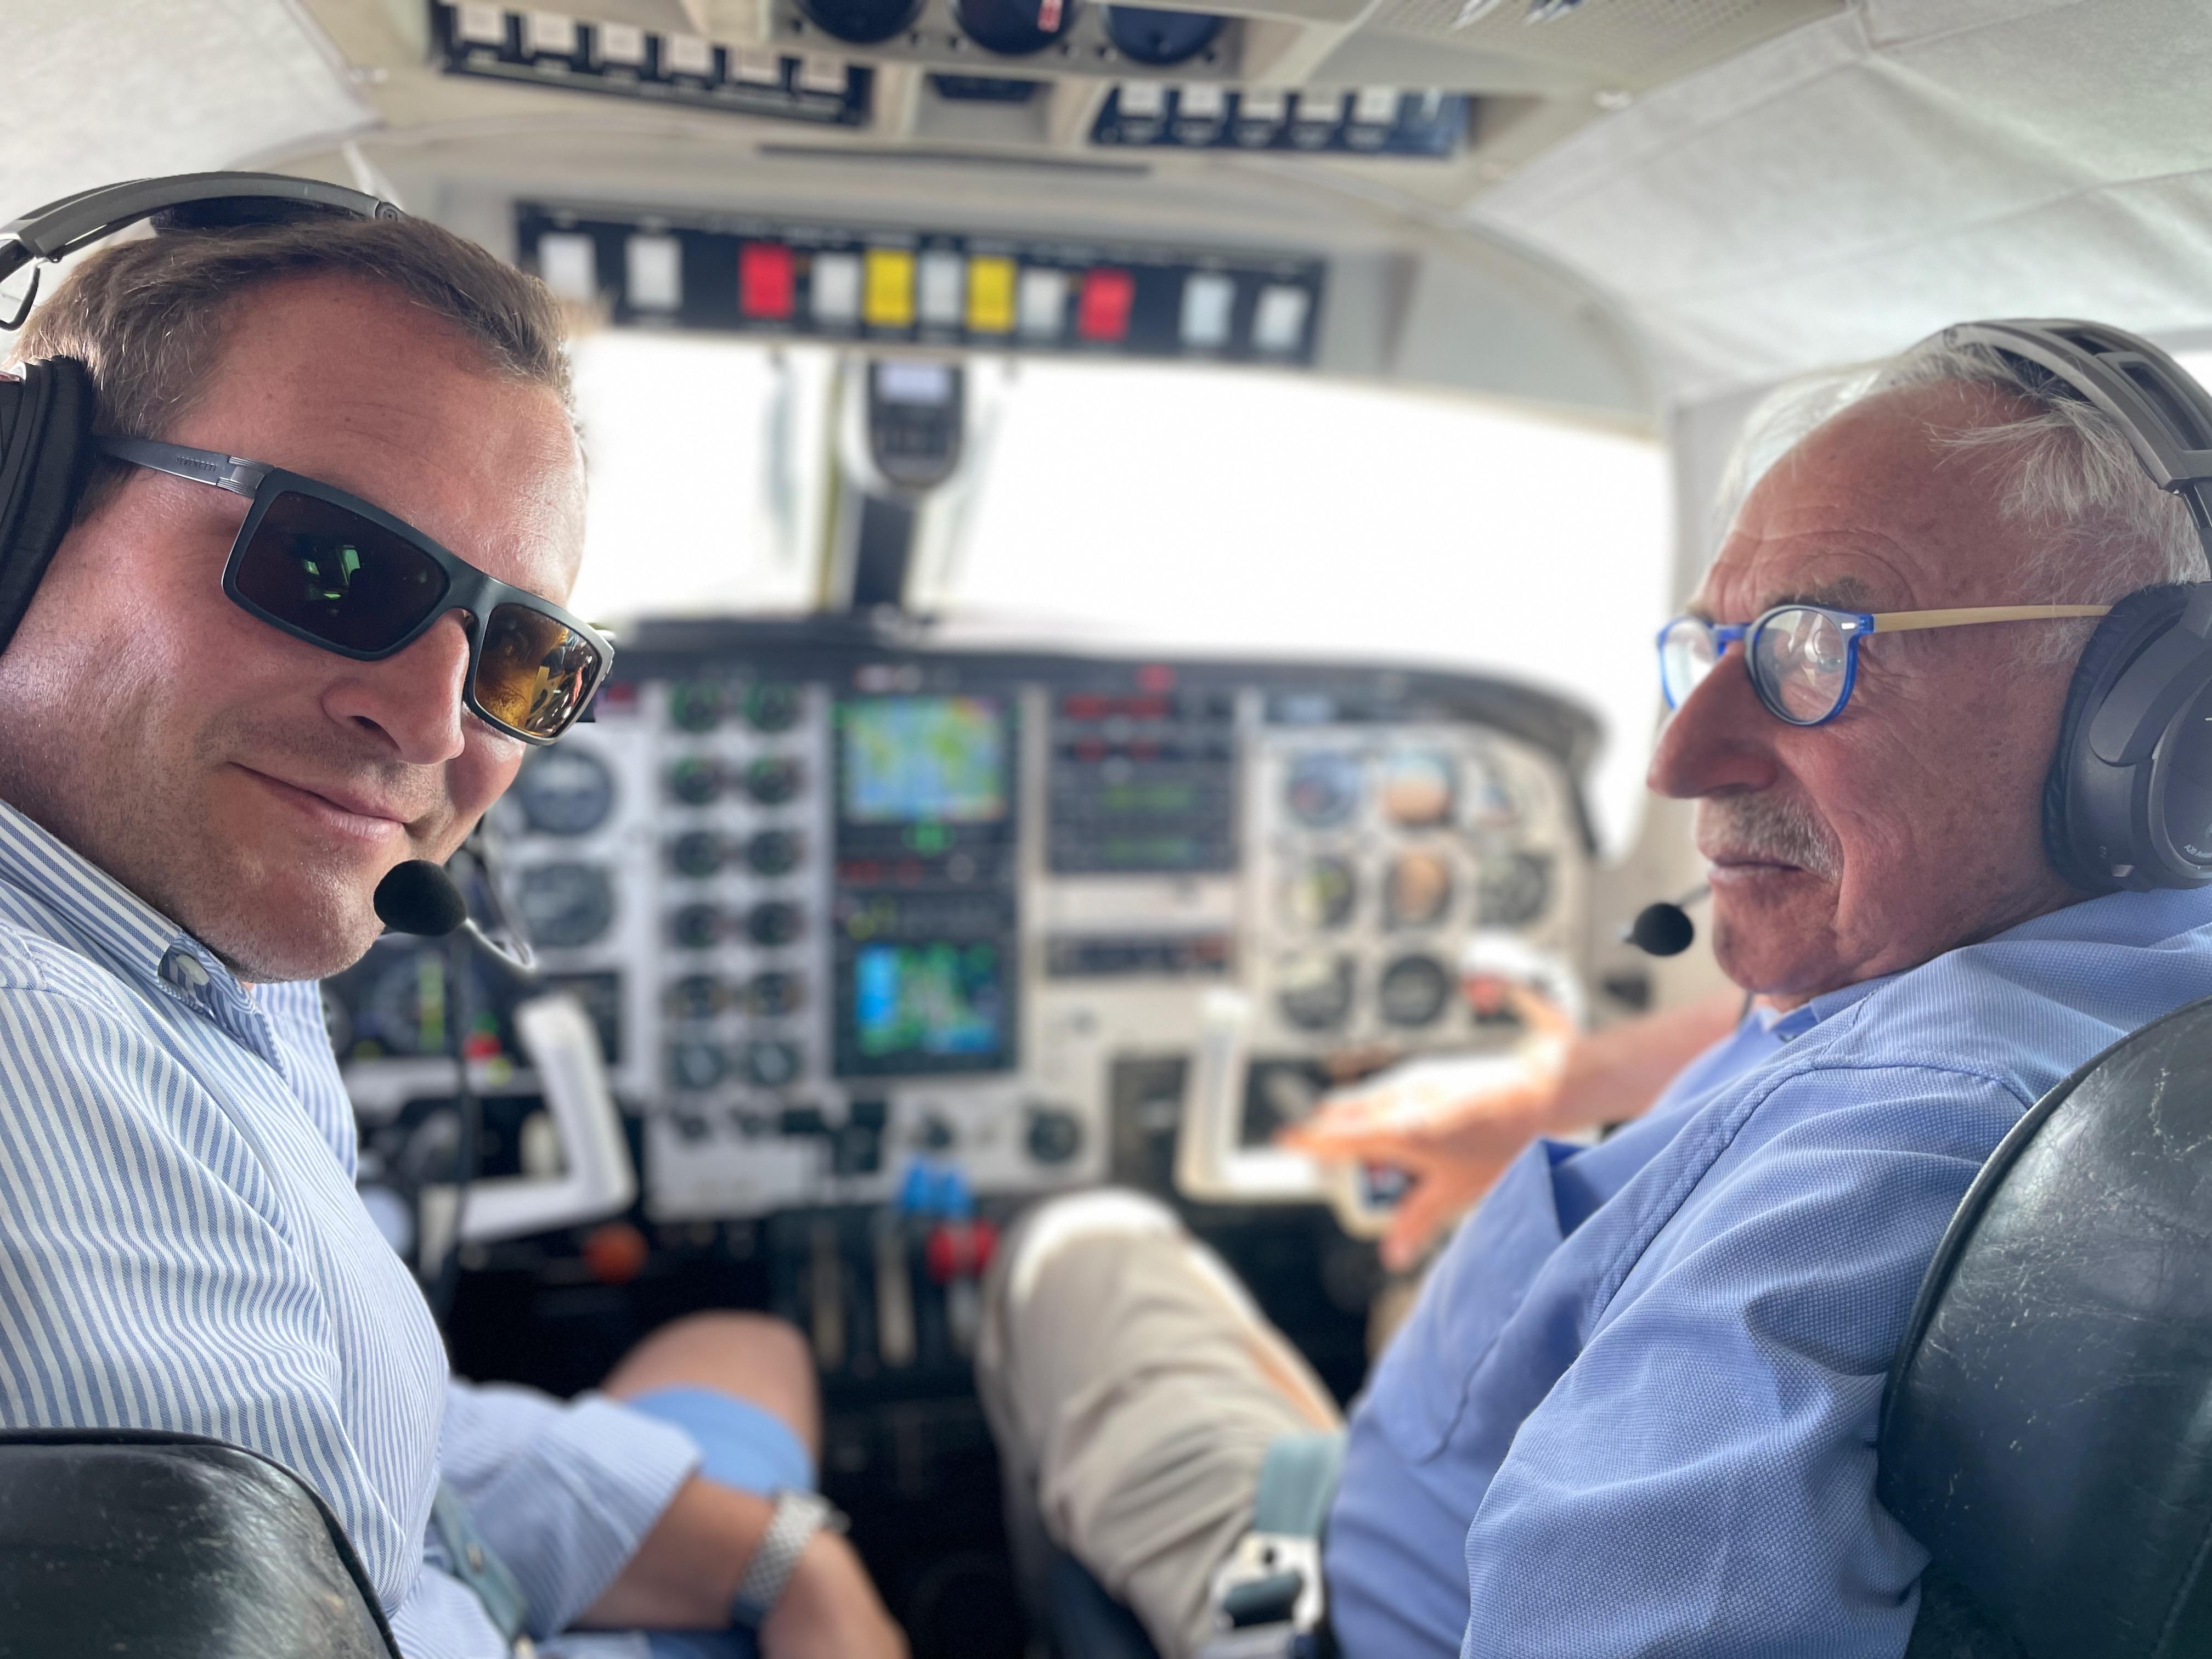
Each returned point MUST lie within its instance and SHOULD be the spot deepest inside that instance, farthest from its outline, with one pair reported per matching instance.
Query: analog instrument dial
(1321, 895)
(1161, 38)
(1014, 28)
(772, 779)
(1315, 991)
(696, 854)
(1413, 992)
(1513, 889)
(565, 791)
(1418, 788)
(1417, 890)
(694, 779)
(565, 905)
(1323, 790)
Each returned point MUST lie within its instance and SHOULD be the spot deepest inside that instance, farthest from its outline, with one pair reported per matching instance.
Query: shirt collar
(111, 920)
(1795, 1022)
(2114, 918)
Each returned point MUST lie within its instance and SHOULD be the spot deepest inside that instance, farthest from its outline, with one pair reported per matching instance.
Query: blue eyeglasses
(1804, 659)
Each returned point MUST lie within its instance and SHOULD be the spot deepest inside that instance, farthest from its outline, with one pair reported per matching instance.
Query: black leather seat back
(172, 1546)
(2048, 1430)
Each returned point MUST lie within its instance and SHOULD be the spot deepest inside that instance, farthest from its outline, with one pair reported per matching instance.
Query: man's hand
(1451, 1126)
(829, 1610)
(1454, 1125)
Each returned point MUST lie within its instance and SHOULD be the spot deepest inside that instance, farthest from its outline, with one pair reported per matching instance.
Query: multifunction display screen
(937, 1001)
(924, 760)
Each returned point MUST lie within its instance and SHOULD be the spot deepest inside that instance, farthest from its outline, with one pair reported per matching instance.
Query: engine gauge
(1417, 788)
(1014, 28)
(1315, 993)
(772, 779)
(773, 994)
(772, 853)
(695, 926)
(1413, 991)
(773, 922)
(1323, 790)
(695, 1065)
(565, 905)
(1513, 890)
(1417, 890)
(695, 996)
(1161, 38)
(695, 705)
(772, 706)
(1320, 895)
(863, 22)
(696, 854)
(771, 1064)
(694, 779)
(565, 791)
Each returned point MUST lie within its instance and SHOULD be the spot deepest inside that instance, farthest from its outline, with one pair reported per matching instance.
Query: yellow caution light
(990, 295)
(887, 300)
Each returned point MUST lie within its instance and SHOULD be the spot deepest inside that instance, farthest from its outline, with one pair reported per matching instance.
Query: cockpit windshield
(1274, 508)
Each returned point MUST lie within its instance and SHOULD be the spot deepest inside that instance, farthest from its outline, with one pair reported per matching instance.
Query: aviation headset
(2128, 801)
(47, 417)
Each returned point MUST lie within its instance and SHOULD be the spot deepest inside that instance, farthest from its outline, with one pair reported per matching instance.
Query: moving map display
(924, 760)
(939, 1001)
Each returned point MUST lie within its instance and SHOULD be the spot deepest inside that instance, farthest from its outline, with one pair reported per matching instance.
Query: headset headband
(186, 200)
(2167, 415)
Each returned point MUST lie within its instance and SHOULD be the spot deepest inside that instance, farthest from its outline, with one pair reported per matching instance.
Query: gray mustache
(1763, 827)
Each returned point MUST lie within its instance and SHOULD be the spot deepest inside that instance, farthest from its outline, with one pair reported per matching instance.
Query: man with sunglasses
(305, 626)
(1634, 1409)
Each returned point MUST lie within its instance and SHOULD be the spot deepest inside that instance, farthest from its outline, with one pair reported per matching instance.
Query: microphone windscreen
(419, 897)
(1662, 930)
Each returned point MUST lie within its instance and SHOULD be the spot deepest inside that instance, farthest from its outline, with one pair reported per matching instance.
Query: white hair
(2095, 526)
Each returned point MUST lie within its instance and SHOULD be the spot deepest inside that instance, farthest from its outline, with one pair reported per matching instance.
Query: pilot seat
(172, 1546)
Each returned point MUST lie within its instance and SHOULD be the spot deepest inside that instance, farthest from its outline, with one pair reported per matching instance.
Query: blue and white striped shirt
(182, 1248)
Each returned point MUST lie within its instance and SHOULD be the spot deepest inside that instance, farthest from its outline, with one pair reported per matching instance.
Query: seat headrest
(2048, 1429)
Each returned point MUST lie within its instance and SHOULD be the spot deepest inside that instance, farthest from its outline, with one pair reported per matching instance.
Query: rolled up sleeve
(564, 1491)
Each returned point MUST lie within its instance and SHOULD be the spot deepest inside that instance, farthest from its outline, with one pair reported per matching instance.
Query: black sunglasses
(328, 568)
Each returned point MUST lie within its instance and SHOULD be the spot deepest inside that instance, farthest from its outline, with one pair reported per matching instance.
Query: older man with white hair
(1634, 1411)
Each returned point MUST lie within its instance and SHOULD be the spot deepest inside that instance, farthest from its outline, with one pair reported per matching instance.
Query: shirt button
(476, 1558)
(182, 970)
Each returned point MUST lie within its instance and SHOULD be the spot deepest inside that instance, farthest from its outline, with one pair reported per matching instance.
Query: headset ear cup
(46, 422)
(2072, 834)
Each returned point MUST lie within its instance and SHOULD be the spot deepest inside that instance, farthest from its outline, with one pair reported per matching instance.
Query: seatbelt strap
(1268, 1598)
(476, 1565)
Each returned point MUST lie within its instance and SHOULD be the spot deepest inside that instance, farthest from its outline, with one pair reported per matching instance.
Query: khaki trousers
(1134, 1390)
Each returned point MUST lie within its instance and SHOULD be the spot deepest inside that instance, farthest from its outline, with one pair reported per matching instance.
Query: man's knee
(1047, 1239)
(754, 1356)
(1060, 1229)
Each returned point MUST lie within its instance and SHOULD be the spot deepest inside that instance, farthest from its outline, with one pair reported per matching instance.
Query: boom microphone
(1665, 929)
(419, 897)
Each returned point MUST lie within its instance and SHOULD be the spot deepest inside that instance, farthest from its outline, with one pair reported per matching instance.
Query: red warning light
(764, 282)
(1101, 312)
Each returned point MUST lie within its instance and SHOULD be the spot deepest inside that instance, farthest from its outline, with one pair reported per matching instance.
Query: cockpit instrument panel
(844, 911)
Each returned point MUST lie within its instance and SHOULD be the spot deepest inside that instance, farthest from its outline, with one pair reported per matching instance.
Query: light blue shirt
(182, 1248)
(1635, 1409)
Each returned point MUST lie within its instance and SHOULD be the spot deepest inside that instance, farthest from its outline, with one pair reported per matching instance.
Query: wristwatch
(799, 1515)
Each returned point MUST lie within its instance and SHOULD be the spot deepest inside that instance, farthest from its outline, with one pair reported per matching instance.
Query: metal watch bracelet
(799, 1515)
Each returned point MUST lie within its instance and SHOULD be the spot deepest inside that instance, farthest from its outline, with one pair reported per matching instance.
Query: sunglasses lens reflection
(533, 674)
(334, 576)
